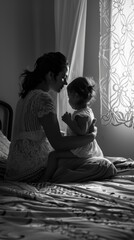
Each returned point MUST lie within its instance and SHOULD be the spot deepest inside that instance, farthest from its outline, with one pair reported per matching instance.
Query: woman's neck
(43, 86)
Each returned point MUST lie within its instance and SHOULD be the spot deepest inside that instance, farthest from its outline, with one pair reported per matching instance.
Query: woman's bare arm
(78, 125)
(59, 142)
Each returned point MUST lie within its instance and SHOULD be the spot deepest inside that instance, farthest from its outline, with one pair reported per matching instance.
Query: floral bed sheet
(95, 210)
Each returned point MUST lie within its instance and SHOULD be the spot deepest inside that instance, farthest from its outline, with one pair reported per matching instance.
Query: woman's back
(29, 147)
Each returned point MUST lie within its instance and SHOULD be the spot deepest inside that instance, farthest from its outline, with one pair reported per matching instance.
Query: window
(116, 62)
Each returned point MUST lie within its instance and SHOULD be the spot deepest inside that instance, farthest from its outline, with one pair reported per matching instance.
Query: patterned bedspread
(94, 210)
(97, 210)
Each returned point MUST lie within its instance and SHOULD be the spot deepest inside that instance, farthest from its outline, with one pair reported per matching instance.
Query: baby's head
(81, 91)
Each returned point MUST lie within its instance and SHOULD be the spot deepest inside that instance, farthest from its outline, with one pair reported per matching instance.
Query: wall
(26, 31)
(115, 141)
(16, 45)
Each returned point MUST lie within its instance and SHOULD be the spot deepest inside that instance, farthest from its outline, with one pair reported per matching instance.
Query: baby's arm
(82, 123)
(79, 125)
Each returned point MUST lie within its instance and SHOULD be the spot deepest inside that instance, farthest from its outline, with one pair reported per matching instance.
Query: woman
(36, 129)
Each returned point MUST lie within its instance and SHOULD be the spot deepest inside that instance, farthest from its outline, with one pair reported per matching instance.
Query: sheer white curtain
(70, 27)
(117, 62)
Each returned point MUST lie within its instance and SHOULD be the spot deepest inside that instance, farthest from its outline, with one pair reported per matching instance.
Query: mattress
(98, 210)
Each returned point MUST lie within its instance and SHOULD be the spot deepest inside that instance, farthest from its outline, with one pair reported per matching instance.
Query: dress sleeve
(43, 104)
(86, 113)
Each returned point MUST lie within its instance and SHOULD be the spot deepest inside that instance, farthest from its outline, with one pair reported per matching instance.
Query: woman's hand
(92, 131)
(93, 128)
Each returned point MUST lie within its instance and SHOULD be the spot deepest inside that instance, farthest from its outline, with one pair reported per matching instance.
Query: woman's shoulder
(41, 102)
(37, 96)
(39, 93)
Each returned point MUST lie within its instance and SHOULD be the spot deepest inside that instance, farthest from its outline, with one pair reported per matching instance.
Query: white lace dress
(29, 147)
(90, 150)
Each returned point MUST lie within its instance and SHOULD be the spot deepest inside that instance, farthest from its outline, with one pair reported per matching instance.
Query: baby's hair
(84, 87)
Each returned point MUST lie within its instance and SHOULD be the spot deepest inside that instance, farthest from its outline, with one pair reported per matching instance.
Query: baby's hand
(66, 117)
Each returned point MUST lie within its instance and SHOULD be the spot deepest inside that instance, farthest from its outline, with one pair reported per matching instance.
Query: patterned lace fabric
(29, 147)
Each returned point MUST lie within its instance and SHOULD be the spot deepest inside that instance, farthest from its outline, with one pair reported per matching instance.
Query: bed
(98, 210)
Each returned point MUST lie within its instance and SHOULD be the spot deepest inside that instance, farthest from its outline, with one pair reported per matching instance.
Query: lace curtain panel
(116, 62)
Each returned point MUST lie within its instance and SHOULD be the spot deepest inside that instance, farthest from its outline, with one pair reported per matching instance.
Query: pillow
(4, 145)
(4, 150)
